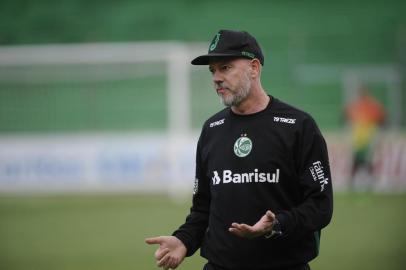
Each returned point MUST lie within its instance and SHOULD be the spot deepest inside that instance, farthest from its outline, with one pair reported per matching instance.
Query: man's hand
(263, 226)
(170, 253)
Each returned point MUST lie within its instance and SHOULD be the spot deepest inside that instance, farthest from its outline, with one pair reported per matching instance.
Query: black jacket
(275, 160)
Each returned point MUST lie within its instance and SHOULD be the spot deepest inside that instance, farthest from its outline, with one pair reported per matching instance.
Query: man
(263, 186)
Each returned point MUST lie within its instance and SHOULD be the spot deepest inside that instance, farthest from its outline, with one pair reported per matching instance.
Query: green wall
(334, 33)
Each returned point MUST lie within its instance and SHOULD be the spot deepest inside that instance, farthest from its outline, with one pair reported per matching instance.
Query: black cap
(230, 43)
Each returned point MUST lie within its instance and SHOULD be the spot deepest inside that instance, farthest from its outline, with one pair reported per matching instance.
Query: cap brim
(205, 59)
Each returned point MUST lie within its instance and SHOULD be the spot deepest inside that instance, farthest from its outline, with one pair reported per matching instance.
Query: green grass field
(108, 232)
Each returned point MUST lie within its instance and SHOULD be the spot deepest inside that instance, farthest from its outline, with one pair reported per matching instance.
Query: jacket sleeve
(312, 164)
(192, 232)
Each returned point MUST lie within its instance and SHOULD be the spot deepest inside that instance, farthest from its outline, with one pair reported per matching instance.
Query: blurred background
(100, 112)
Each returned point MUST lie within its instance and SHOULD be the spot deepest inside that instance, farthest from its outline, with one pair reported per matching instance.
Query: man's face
(232, 80)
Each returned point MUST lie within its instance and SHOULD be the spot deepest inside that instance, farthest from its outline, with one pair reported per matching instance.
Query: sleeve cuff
(186, 241)
(285, 222)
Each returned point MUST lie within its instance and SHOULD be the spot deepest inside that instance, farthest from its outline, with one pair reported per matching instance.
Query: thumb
(154, 240)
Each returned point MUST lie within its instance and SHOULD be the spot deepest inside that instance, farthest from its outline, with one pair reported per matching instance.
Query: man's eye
(225, 67)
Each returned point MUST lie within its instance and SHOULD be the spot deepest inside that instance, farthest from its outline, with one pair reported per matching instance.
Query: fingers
(154, 240)
(242, 230)
(172, 263)
(237, 225)
(160, 253)
(234, 228)
(168, 262)
(241, 227)
(246, 228)
(170, 253)
(270, 215)
(163, 262)
(175, 263)
(235, 231)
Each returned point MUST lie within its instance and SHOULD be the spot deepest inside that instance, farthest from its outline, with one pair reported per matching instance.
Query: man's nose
(217, 77)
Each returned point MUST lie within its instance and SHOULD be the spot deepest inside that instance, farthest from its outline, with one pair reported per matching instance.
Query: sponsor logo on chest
(227, 177)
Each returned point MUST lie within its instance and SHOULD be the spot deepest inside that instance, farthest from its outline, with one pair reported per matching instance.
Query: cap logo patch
(248, 54)
(214, 42)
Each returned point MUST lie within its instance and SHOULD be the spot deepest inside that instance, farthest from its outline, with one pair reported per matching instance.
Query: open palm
(263, 226)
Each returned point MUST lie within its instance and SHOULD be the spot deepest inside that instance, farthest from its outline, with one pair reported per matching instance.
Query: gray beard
(237, 97)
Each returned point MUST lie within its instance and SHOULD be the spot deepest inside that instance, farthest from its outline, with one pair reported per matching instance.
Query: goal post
(113, 159)
(174, 56)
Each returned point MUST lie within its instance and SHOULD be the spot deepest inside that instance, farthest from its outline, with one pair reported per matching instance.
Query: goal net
(100, 116)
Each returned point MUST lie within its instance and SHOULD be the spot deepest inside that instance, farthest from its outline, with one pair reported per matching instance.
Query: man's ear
(255, 68)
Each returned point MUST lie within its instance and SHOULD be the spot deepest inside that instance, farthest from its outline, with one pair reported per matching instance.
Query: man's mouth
(220, 90)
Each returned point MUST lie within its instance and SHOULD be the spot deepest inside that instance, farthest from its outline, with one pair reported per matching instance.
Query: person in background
(365, 115)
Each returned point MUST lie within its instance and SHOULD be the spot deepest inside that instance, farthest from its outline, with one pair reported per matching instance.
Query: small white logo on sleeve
(196, 186)
(217, 123)
(318, 174)
(284, 120)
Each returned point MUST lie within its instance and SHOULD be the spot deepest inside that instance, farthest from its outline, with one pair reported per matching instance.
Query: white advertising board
(155, 163)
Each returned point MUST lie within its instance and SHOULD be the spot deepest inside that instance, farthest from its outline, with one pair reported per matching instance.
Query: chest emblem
(242, 146)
